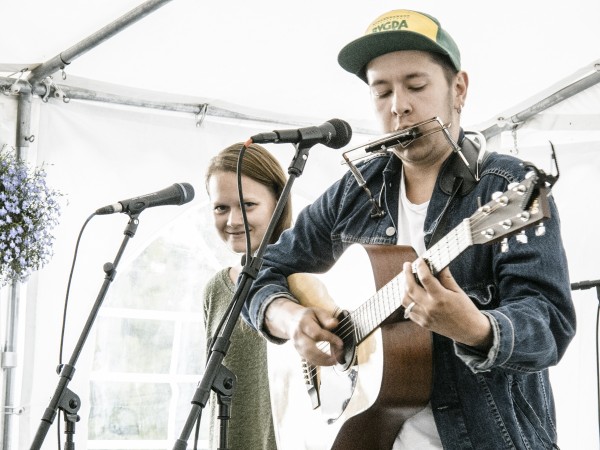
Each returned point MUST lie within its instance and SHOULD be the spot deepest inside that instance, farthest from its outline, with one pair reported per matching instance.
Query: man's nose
(400, 105)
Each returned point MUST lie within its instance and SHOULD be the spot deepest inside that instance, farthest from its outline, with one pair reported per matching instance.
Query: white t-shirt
(418, 432)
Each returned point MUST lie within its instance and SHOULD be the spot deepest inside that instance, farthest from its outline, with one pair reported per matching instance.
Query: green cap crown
(396, 30)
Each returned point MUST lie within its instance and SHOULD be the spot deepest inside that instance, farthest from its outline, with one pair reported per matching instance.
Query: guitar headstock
(523, 205)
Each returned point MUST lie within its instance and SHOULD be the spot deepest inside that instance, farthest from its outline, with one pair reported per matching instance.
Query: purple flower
(29, 211)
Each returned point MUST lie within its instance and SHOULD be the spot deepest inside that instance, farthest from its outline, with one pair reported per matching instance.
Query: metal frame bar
(68, 93)
(8, 364)
(66, 57)
(572, 89)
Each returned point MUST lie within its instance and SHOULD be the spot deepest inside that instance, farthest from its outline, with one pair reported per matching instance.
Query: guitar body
(364, 405)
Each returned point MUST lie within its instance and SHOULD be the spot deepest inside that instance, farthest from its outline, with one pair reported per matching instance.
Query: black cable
(598, 358)
(197, 433)
(588, 284)
(64, 319)
(242, 204)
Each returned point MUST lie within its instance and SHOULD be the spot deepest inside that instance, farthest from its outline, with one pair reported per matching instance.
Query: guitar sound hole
(345, 330)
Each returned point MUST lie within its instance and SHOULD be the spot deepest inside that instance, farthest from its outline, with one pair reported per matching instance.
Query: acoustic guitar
(387, 374)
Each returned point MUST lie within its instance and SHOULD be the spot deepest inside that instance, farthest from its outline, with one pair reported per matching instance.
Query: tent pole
(9, 364)
(68, 93)
(10, 345)
(24, 138)
(519, 118)
(66, 57)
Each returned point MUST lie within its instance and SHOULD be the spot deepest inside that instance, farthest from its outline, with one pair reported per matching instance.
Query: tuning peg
(521, 237)
(524, 216)
(485, 209)
(500, 198)
(488, 233)
(504, 245)
(540, 229)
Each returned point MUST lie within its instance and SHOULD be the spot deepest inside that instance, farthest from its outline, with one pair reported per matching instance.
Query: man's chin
(399, 152)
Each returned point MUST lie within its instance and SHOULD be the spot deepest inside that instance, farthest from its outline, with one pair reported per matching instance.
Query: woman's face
(259, 201)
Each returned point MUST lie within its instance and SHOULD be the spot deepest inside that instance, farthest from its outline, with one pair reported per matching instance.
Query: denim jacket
(499, 400)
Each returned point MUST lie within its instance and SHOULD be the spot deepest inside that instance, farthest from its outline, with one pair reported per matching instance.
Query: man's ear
(461, 86)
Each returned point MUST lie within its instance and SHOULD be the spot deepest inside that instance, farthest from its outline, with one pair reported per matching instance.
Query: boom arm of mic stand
(249, 273)
(62, 394)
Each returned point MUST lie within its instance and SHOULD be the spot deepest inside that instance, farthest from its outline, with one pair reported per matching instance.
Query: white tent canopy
(265, 56)
(153, 102)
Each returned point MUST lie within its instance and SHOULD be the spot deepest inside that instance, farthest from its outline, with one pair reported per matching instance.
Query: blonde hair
(259, 165)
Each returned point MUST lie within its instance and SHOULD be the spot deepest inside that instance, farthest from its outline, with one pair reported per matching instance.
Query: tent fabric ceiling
(262, 56)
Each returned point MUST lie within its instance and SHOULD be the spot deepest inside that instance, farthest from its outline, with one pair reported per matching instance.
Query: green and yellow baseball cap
(396, 30)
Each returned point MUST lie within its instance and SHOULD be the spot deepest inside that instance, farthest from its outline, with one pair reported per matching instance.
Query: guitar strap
(455, 167)
(458, 178)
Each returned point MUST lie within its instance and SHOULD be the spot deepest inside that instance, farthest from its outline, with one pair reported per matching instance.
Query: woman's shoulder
(218, 283)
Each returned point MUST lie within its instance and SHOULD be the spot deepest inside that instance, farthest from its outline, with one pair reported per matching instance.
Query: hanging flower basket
(29, 211)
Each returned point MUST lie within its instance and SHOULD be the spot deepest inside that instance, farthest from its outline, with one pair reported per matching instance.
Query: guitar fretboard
(388, 299)
(449, 247)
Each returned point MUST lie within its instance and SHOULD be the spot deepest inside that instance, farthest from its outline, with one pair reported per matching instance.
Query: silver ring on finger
(408, 310)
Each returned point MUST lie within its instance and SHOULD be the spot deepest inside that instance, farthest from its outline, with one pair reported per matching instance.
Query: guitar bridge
(311, 381)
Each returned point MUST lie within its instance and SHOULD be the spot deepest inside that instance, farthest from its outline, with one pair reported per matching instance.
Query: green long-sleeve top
(251, 424)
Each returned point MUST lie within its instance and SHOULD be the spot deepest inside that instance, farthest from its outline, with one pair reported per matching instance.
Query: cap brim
(357, 54)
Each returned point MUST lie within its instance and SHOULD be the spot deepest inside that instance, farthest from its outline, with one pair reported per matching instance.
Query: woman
(263, 180)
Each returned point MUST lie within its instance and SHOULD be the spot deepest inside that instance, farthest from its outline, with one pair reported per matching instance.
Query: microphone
(334, 133)
(177, 194)
(585, 285)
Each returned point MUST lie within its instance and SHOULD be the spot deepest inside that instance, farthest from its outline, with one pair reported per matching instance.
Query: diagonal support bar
(66, 57)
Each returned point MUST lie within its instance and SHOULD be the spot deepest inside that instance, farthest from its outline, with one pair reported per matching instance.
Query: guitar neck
(369, 316)
(449, 247)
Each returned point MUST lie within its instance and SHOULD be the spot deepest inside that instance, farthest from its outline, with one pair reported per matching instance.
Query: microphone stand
(588, 284)
(216, 376)
(63, 398)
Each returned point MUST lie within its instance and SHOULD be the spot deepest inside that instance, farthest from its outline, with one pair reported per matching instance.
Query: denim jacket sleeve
(307, 247)
(528, 298)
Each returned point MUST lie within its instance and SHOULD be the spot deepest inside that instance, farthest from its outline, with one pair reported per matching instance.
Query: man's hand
(441, 306)
(308, 328)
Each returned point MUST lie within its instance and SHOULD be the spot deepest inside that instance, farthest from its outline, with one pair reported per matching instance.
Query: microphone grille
(187, 192)
(343, 133)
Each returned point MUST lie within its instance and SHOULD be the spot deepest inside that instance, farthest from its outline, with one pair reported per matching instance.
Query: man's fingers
(314, 340)
(448, 281)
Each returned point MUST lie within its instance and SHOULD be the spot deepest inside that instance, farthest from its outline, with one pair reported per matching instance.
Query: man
(499, 319)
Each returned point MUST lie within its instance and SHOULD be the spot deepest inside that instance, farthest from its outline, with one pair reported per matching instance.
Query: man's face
(408, 87)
